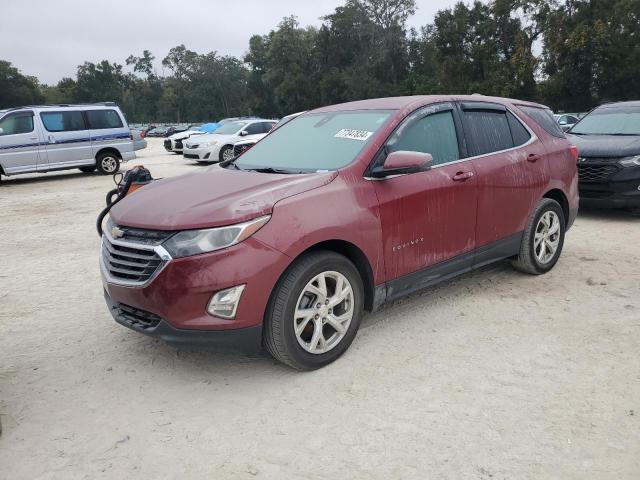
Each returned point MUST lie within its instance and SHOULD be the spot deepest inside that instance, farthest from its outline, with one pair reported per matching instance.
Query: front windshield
(230, 128)
(610, 121)
(316, 141)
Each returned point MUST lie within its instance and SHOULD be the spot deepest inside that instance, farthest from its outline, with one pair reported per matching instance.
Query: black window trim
(81, 112)
(505, 108)
(20, 113)
(413, 116)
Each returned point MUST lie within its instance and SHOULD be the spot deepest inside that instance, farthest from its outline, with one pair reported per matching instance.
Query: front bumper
(620, 190)
(178, 295)
(247, 340)
(202, 154)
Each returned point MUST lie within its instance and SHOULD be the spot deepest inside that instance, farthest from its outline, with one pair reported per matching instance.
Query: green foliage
(569, 54)
(16, 89)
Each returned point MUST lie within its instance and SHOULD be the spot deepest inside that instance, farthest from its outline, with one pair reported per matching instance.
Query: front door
(19, 142)
(67, 139)
(428, 218)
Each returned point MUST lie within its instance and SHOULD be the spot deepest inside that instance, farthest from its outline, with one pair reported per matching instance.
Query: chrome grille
(129, 263)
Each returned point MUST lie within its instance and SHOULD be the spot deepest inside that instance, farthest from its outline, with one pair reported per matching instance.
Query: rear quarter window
(544, 118)
(103, 119)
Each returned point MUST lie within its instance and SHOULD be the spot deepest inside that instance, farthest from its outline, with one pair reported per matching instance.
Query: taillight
(574, 153)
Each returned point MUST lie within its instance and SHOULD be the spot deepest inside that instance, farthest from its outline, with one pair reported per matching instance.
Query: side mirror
(244, 133)
(566, 128)
(402, 163)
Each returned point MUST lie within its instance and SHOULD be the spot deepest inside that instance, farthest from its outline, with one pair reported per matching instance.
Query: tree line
(569, 54)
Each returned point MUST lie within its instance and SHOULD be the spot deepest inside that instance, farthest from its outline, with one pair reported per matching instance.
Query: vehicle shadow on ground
(169, 360)
(609, 214)
(44, 178)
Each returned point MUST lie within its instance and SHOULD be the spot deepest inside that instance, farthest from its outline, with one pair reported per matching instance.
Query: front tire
(315, 311)
(226, 153)
(107, 163)
(543, 239)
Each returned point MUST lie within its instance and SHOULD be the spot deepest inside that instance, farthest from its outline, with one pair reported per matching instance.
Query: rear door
(510, 163)
(67, 138)
(427, 217)
(107, 128)
(19, 142)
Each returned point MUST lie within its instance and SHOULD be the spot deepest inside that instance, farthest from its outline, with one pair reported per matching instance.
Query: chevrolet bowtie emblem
(117, 233)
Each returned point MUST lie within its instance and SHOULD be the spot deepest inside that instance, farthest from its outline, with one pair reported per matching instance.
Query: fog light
(225, 302)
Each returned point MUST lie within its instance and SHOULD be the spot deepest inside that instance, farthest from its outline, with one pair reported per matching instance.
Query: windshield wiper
(272, 170)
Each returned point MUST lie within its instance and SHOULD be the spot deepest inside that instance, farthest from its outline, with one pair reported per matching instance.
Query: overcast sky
(50, 39)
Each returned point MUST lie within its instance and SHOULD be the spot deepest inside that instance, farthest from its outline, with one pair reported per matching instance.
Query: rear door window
(487, 131)
(16, 123)
(68, 121)
(434, 134)
(103, 119)
(519, 133)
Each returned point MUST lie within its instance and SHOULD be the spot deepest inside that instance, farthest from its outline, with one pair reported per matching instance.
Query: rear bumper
(246, 340)
(128, 156)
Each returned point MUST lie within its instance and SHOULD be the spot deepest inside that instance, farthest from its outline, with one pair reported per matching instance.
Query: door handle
(52, 139)
(462, 176)
(533, 158)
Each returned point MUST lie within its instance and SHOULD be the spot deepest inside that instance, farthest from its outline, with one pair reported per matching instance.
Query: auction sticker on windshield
(361, 135)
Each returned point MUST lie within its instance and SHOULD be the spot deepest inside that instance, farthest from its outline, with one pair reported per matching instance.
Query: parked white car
(175, 143)
(218, 146)
(243, 145)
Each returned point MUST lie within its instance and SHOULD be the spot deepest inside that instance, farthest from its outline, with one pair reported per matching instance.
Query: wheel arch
(559, 196)
(355, 256)
(112, 150)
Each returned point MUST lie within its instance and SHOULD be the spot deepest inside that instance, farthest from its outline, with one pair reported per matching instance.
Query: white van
(60, 137)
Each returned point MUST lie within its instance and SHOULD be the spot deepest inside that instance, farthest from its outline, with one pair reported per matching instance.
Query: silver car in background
(61, 137)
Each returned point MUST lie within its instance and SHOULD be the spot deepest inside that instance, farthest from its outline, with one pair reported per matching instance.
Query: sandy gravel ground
(495, 375)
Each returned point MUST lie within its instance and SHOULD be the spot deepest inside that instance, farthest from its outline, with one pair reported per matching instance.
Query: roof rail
(53, 105)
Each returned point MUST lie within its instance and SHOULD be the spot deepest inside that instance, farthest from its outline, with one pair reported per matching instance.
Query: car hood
(211, 198)
(210, 137)
(183, 135)
(606, 145)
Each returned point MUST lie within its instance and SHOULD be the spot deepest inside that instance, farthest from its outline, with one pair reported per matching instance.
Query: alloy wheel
(109, 164)
(547, 237)
(323, 312)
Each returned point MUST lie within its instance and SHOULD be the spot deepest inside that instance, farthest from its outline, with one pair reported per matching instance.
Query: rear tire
(299, 323)
(107, 163)
(87, 169)
(543, 239)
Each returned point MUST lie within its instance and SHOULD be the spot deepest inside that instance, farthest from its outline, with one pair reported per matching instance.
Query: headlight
(630, 161)
(195, 242)
(210, 144)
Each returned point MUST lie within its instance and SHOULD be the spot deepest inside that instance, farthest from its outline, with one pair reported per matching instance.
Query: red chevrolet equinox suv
(339, 211)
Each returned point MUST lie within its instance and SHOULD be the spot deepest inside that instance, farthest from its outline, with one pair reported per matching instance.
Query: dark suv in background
(608, 141)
